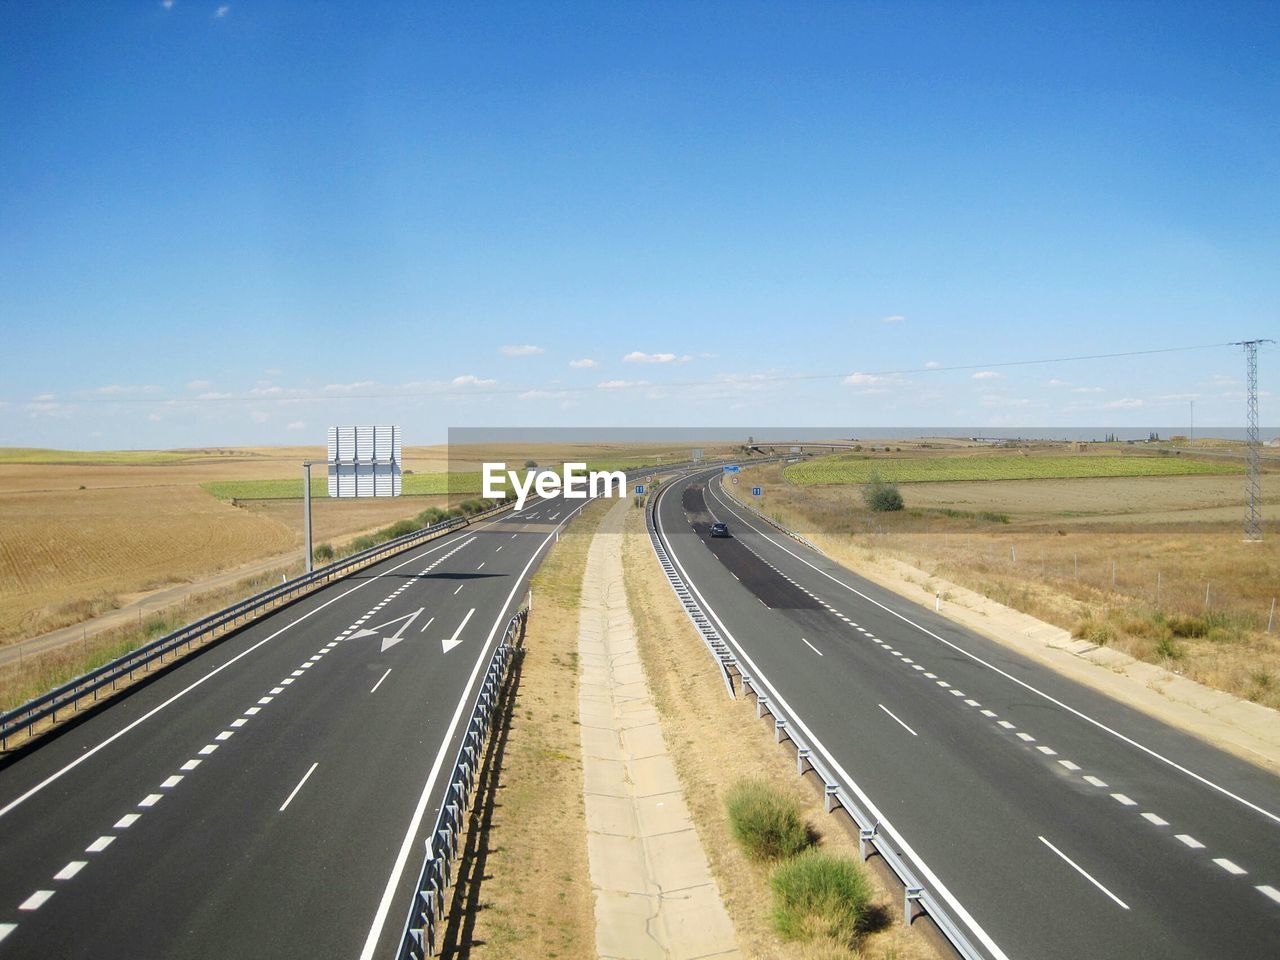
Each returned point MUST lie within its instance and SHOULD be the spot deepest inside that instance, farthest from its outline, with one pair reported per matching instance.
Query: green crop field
(414, 484)
(97, 457)
(847, 469)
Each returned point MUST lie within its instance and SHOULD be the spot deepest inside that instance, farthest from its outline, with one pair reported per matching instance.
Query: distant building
(1274, 442)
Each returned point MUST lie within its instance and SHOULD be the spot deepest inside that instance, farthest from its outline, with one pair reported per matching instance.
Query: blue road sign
(639, 488)
(731, 468)
(756, 491)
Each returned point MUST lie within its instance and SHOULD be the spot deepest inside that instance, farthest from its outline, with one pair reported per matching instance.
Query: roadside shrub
(1168, 647)
(363, 543)
(880, 496)
(399, 529)
(817, 894)
(765, 821)
(323, 553)
(1181, 626)
(431, 516)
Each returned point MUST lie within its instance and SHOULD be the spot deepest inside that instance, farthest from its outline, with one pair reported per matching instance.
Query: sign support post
(306, 511)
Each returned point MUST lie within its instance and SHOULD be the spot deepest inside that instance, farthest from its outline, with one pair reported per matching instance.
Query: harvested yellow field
(332, 521)
(68, 554)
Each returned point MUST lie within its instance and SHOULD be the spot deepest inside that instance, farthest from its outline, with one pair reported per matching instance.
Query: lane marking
(1073, 767)
(305, 777)
(460, 586)
(1008, 676)
(172, 782)
(1093, 781)
(6, 929)
(1158, 821)
(903, 725)
(1048, 751)
(427, 624)
(1026, 738)
(190, 765)
(239, 722)
(99, 845)
(380, 679)
(71, 869)
(1230, 867)
(127, 821)
(409, 844)
(812, 647)
(36, 900)
(1120, 798)
(225, 735)
(481, 567)
(1190, 841)
(207, 749)
(454, 641)
(253, 711)
(1079, 869)
(1266, 890)
(150, 800)
(447, 540)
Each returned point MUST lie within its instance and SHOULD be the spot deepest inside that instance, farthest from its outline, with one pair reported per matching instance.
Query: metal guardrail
(421, 927)
(67, 697)
(769, 520)
(835, 793)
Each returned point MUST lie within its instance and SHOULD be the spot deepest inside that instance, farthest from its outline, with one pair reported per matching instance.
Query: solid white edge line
(895, 716)
(448, 540)
(293, 793)
(415, 822)
(1080, 870)
(1022, 683)
(927, 874)
(380, 679)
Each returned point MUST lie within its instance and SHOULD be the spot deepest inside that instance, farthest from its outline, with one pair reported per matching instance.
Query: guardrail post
(830, 797)
(866, 838)
(779, 730)
(762, 706)
(802, 757)
(910, 895)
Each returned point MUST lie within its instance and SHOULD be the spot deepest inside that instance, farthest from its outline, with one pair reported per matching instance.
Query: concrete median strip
(654, 893)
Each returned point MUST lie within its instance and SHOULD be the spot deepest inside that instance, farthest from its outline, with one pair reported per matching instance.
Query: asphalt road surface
(272, 796)
(1056, 823)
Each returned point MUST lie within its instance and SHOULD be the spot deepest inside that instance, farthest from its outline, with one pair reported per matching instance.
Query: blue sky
(240, 222)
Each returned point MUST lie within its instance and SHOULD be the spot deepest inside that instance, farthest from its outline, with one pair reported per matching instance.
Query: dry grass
(1103, 558)
(715, 742)
(536, 900)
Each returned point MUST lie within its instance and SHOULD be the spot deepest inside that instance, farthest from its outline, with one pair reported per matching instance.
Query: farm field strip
(844, 470)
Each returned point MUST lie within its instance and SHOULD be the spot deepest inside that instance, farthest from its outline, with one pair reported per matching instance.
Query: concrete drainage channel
(875, 836)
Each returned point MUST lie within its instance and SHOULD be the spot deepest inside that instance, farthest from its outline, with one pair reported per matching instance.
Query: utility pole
(1192, 437)
(1253, 455)
(306, 511)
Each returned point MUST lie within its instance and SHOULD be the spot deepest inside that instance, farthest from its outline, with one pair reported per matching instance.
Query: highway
(1053, 821)
(270, 797)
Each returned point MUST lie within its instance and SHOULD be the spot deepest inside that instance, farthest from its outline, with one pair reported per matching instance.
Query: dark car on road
(719, 530)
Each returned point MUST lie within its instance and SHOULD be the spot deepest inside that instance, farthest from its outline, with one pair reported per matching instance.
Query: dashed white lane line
(150, 800)
(380, 679)
(305, 777)
(481, 567)
(1190, 841)
(71, 869)
(989, 713)
(460, 586)
(264, 700)
(190, 765)
(499, 550)
(1026, 738)
(1073, 767)
(427, 624)
(171, 782)
(225, 735)
(239, 722)
(1048, 751)
(1123, 800)
(1080, 870)
(811, 647)
(207, 749)
(1266, 890)
(900, 723)
(1093, 781)
(1006, 724)
(36, 900)
(6, 929)
(1157, 820)
(100, 844)
(1230, 867)
(127, 821)
(276, 691)
(287, 680)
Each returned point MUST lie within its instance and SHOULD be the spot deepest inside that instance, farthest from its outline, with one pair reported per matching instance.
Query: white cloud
(1088, 390)
(1124, 403)
(266, 391)
(273, 371)
(865, 380)
(47, 407)
(154, 417)
(621, 384)
(893, 318)
(470, 380)
(296, 425)
(167, 4)
(585, 363)
(357, 387)
(124, 390)
(215, 396)
(520, 350)
(222, 11)
(988, 375)
(44, 397)
(932, 365)
(639, 356)
(1055, 382)
(260, 416)
(199, 384)
(991, 400)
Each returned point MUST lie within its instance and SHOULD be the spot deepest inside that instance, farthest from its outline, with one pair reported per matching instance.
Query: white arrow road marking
(391, 641)
(454, 641)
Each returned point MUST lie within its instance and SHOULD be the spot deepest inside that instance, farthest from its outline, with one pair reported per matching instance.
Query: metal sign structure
(364, 461)
(756, 491)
